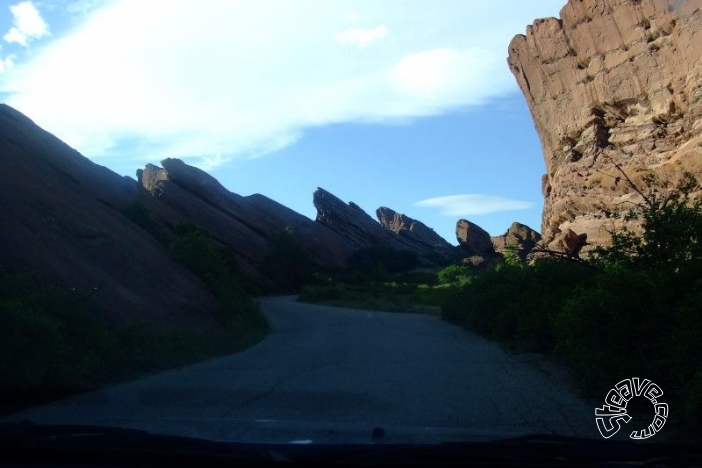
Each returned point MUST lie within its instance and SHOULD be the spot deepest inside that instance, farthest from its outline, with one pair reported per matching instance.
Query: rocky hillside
(68, 219)
(62, 217)
(611, 81)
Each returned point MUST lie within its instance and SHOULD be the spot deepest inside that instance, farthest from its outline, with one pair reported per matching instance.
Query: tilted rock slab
(611, 81)
(61, 218)
(411, 229)
(362, 231)
(244, 223)
(474, 240)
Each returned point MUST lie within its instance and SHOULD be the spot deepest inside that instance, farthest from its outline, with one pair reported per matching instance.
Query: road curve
(331, 375)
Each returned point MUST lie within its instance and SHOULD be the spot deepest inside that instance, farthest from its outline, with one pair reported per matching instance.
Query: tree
(287, 262)
(671, 223)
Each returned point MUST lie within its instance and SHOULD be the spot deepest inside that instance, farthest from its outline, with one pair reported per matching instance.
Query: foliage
(52, 345)
(672, 226)
(415, 291)
(378, 262)
(511, 256)
(216, 266)
(287, 262)
(454, 274)
(140, 215)
(631, 310)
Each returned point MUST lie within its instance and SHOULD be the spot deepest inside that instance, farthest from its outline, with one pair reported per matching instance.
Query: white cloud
(6, 62)
(28, 24)
(83, 7)
(473, 204)
(361, 37)
(223, 79)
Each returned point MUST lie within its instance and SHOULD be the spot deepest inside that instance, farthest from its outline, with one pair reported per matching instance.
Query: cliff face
(611, 81)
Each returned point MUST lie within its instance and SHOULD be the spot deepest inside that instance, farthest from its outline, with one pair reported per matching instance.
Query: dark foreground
(332, 375)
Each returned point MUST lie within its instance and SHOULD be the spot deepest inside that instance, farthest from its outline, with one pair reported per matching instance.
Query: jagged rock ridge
(351, 222)
(611, 81)
(64, 217)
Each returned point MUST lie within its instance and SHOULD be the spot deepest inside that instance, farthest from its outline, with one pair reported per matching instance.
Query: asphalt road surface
(332, 375)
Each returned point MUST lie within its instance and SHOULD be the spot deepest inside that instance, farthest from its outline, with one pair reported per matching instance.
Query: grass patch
(381, 296)
(52, 345)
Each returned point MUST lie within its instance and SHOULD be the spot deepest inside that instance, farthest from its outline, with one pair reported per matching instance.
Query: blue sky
(406, 104)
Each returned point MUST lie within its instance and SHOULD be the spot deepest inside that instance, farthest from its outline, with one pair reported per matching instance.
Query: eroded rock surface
(410, 228)
(362, 231)
(611, 81)
(474, 240)
(520, 236)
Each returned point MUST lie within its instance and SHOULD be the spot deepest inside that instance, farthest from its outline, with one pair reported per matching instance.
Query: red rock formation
(362, 231)
(611, 81)
(474, 240)
(411, 229)
(521, 236)
(179, 191)
(61, 218)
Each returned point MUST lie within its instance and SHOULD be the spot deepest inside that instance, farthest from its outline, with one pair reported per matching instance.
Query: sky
(406, 104)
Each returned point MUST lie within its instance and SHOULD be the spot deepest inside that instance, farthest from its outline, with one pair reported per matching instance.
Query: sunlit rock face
(612, 82)
(474, 240)
(411, 229)
(520, 237)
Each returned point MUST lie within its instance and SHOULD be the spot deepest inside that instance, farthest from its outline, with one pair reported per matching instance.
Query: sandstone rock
(61, 218)
(611, 82)
(410, 228)
(518, 235)
(474, 240)
(362, 231)
(242, 223)
(568, 242)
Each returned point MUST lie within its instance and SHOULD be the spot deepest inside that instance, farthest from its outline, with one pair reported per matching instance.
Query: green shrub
(454, 274)
(52, 345)
(379, 262)
(140, 215)
(287, 262)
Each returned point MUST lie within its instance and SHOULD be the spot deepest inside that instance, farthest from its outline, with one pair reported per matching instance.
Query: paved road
(328, 374)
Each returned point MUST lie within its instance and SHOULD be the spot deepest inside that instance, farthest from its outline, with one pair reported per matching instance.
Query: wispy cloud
(473, 204)
(27, 24)
(361, 37)
(216, 80)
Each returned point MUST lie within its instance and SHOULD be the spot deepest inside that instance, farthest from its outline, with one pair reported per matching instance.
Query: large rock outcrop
(61, 218)
(178, 191)
(474, 240)
(611, 82)
(411, 229)
(518, 236)
(360, 230)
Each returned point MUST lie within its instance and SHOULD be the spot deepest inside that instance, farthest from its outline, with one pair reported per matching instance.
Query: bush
(454, 274)
(287, 262)
(378, 262)
(140, 215)
(52, 345)
(632, 310)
